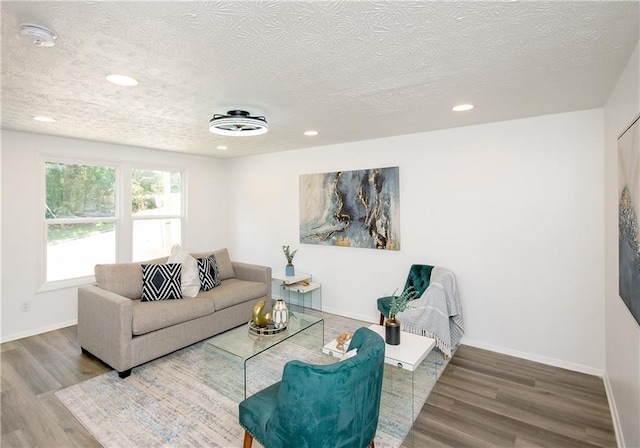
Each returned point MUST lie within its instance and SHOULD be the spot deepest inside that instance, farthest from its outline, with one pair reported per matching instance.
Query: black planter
(392, 331)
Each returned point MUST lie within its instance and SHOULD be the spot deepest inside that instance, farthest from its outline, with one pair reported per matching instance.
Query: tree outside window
(83, 226)
(80, 219)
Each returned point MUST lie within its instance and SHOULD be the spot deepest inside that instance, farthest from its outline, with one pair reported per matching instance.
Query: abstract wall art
(628, 207)
(359, 208)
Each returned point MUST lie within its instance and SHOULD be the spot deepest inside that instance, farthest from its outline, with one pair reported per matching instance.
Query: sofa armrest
(253, 273)
(105, 326)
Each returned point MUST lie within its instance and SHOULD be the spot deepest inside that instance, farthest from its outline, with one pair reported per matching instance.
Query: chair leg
(381, 318)
(248, 440)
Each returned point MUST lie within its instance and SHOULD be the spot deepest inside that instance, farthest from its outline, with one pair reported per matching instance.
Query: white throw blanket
(437, 313)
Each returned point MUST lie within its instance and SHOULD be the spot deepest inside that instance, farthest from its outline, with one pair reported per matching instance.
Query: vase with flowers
(392, 324)
(290, 270)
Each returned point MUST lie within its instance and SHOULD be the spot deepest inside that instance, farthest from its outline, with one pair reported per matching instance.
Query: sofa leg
(124, 373)
(381, 318)
(248, 440)
(373, 445)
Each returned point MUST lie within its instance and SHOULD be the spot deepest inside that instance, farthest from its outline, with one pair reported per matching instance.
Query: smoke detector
(42, 36)
(238, 123)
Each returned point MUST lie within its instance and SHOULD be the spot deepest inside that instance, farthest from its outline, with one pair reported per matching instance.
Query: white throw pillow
(190, 281)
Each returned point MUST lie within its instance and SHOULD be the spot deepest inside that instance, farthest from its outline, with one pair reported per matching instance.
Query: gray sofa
(116, 327)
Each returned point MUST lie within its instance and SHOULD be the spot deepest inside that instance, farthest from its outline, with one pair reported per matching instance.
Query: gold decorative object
(305, 282)
(259, 319)
(342, 339)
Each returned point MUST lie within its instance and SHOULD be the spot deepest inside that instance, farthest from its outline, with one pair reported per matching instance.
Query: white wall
(514, 209)
(22, 220)
(622, 331)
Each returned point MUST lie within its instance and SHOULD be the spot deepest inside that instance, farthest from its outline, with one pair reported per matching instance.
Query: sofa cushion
(208, 273)
(161, 281)
(225, 267)
(151, 316)
(234, 291)
(124, 279)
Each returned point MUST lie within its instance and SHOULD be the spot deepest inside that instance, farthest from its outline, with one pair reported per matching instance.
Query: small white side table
(405, 367)
(304, 293)
(408, 355)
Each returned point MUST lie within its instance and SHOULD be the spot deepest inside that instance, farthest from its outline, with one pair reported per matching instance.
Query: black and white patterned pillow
(161, 282)
(209, 274)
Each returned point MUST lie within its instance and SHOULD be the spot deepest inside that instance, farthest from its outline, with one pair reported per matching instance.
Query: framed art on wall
(359, 208)
(628, 207)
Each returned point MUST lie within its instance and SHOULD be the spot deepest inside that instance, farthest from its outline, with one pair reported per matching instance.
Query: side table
(407, 381)
(304, 294)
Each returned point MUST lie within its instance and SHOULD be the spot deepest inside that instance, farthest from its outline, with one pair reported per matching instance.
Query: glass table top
(239, 342)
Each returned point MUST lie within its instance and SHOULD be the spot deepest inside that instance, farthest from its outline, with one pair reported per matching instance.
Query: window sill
(65, 284)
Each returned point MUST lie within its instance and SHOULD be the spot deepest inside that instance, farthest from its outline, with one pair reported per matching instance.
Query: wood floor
(483, 399)
(486, 399)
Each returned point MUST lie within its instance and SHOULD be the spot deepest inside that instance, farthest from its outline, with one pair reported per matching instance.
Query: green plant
(289, 254)
(400, 303)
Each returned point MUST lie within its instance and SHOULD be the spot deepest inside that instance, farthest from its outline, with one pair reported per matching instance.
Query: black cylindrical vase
(392, 331)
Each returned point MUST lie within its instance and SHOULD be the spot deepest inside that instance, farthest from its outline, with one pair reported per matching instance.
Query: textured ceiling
(352, 70)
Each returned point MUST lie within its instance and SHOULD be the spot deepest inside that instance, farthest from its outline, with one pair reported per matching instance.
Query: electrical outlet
(26, 306)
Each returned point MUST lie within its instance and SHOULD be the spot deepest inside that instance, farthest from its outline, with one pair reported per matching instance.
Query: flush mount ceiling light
(122, 80)
(238, 123)
(310, 133)
(42, 36)
(462, 107)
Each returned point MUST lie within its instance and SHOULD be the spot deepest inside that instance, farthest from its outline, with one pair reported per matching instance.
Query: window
(156, 206)
(84, 224)
(80, 219)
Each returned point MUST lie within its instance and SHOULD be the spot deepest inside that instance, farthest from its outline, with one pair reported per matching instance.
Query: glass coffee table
(238, 363)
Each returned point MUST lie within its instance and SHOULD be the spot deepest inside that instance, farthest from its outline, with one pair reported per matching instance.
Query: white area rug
(166, 402)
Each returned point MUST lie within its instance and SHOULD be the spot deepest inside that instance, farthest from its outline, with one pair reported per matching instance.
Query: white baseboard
(350, 315)
(495, 348)
(617, 426)
(35, 331)
(537, 358)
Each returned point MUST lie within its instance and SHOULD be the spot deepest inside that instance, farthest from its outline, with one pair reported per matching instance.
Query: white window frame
(123, 214)
(129, 215)
(46, 285)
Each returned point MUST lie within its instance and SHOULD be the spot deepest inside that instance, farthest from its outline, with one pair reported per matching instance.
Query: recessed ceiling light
(222, 148)
(310, 133)
(44, 119)
(462, 107)
(122, 80)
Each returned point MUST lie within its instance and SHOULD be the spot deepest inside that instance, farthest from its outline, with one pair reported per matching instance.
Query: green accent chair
(419, 276)
(329, 406)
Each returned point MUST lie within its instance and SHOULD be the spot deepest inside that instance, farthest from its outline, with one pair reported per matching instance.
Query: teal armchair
(320, 406)
(419, 277)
